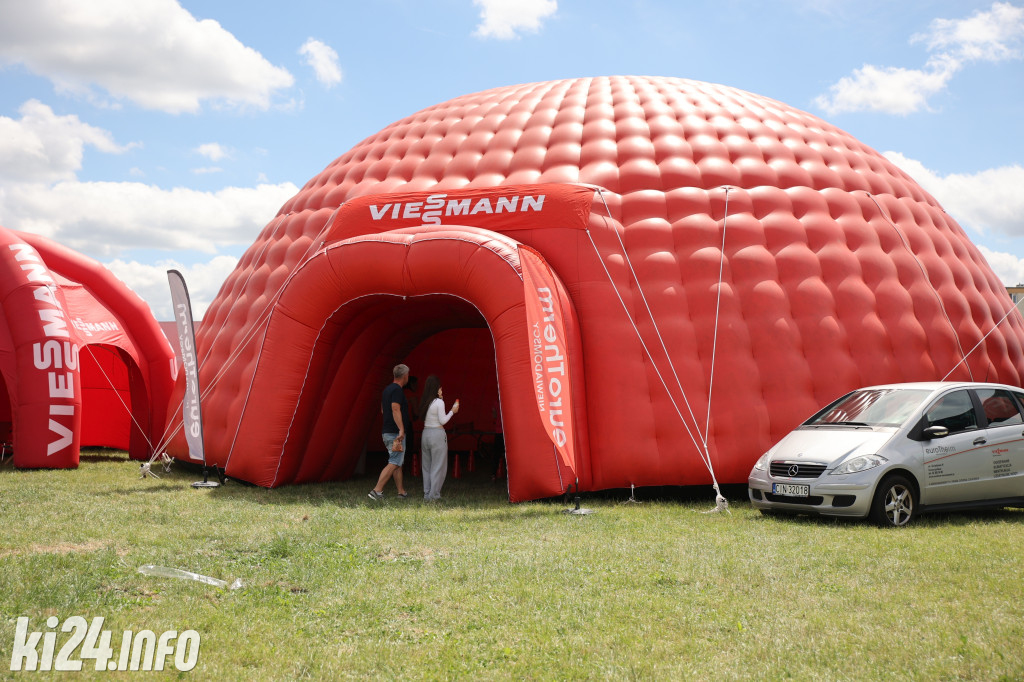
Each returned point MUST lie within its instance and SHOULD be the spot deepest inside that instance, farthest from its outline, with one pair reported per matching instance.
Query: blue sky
(152, 134)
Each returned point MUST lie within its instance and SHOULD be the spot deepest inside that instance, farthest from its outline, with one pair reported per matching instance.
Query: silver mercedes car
(892, 452)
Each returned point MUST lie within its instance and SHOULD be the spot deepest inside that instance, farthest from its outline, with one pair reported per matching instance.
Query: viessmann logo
(439, 206)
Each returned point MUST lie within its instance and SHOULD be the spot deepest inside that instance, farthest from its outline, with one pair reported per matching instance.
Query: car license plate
(791, 489)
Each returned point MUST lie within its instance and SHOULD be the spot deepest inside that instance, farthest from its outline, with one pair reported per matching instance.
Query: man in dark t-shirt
(396, 425)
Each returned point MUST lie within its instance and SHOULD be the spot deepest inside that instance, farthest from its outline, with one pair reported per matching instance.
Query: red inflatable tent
(83, 361)
(649, 278)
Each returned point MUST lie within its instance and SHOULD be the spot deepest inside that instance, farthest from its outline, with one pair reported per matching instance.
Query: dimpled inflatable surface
(712, 267)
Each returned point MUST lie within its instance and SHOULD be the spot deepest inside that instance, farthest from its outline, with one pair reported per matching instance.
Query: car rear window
(1000, 407)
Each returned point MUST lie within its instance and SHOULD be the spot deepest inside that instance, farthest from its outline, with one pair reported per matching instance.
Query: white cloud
(44, 147)
(206, 170)
(150, 282)
(505, 19)
(986, 36)
(153, 53)
(40, 156)
(987, 201)
(992, 35)
(1008, 267)
(889, 90)
(105, 219)
(324, 61)
(213, 151)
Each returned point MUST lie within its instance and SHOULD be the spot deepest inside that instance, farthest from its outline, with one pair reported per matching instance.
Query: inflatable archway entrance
(327, 355)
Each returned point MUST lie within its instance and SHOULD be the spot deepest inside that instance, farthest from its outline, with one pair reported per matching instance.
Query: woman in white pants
(434, 441)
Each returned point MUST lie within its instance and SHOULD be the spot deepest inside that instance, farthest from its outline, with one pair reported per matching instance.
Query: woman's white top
(436, 417)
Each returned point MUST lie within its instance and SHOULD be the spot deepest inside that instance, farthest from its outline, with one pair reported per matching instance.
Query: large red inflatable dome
(648, 278)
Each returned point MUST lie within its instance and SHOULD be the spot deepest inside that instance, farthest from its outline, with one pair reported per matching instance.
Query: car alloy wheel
(894, 502)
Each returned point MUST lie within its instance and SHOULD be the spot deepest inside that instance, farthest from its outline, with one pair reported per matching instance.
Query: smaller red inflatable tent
(82, 359)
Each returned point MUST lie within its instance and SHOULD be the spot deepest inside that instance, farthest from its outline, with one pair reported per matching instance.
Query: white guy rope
(718, 304)
(927, 279)
(120, 399)
(254, 329)
(650, 314)
(994, 327)
(721, 504)
(268, 311)
(639, 336)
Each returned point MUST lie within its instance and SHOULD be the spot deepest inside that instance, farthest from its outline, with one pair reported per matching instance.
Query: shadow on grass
(478, 492)
(797, 518)
(87, 456)
(969, 518)
(475, 492)
(124, 492)
(103, 458)
(733, 492)
(928, 520)
(537, 511)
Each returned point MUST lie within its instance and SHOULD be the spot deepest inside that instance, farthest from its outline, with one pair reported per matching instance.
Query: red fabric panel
(106, 398)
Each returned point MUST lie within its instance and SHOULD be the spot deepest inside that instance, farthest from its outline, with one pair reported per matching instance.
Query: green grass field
(336, 586)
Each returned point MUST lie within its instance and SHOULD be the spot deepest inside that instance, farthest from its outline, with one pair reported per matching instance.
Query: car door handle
(980, 441)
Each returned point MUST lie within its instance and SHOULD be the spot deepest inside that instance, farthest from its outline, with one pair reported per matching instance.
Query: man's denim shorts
(396, 458)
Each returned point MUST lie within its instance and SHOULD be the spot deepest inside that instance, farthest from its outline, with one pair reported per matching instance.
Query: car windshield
(871, 407)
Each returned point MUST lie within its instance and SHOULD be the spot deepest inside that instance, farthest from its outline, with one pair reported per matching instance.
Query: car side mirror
(935, 432)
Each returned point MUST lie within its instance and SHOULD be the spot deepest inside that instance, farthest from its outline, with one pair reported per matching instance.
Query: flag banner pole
(192, 415)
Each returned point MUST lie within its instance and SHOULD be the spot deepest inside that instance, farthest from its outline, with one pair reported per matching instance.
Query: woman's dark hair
(429, 393)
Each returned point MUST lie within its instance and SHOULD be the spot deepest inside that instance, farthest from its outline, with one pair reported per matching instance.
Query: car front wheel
(894, 503)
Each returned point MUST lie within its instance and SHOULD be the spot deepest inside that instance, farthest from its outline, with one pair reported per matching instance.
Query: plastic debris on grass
(164, 572)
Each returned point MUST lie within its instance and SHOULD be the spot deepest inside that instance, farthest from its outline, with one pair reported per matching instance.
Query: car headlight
(858, 464)
(762, 463)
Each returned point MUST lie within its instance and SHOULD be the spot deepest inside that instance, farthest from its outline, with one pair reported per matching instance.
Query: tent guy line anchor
(146, 468)
(721, 504)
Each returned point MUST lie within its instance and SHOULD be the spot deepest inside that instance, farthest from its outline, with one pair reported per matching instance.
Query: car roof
(941, 385)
